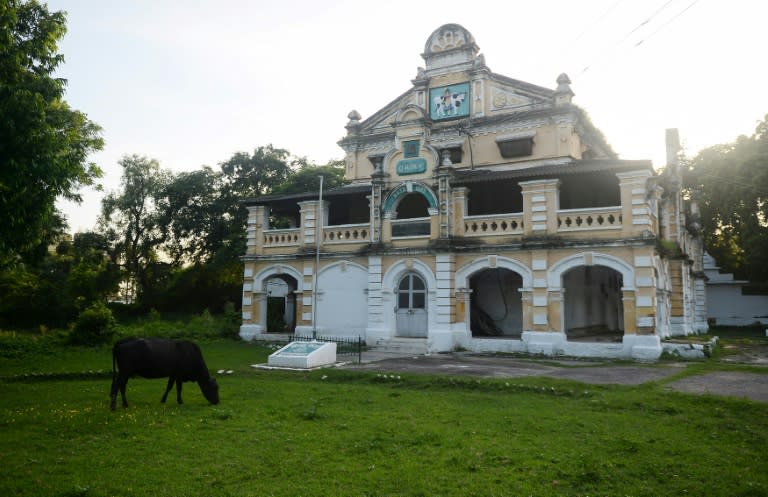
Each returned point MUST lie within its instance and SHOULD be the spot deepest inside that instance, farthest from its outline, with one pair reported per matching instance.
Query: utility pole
(318, 238)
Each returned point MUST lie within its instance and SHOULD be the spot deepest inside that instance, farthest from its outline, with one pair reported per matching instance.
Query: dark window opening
(351, 209)
(516, 148)
(499, 197)
(412, 205)
(581, 191)
(406, 221)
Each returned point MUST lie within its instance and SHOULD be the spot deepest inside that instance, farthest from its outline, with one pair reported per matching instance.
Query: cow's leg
(178, 392)
(167, 389)
(113, 394)
(122, 383)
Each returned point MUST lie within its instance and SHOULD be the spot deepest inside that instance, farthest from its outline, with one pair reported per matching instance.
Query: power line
(596, 21)
(666, 23)
(634, 30)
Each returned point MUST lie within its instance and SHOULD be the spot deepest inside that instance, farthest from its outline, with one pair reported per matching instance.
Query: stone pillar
(376, 199)
(630, 314)
(445, 201)
(258, 221)
(540, 294)
(459, 210)
(309, 221)
(556, 309)
(462, 304)
(636, 213)
(644, 293)
(304, 297)
(386, 228)
(445, 269)
(540, 205)
(375, 331)
(526, 296)
(434, 224)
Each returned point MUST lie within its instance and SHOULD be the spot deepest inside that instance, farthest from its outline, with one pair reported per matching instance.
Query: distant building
(487, 214)
(727, 305)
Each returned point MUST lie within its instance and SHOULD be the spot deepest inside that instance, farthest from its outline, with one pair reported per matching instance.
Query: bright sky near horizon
(190, 83)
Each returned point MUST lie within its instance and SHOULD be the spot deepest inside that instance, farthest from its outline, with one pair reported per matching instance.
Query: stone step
(403, 345)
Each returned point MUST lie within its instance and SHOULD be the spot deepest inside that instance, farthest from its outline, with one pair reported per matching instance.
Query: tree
(193, 219)
(731, 182)
(44, 144)
(307, 178)
(131, 222)
(249, 176)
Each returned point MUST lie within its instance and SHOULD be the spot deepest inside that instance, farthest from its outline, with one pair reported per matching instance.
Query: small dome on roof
(449, 37)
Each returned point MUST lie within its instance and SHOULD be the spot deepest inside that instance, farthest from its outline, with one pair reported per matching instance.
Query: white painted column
(441, 336)
(375, 332)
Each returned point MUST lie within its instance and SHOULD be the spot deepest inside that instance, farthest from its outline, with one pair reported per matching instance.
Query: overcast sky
(190, 83)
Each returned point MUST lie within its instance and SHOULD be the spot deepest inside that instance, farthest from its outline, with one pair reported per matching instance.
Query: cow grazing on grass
(177, 360)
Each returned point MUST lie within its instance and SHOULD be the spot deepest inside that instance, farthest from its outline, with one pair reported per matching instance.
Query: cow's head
(210, 389)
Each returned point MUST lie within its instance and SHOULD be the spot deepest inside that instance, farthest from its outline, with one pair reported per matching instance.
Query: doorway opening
(496, 306)
(594, 309)
(281, 304)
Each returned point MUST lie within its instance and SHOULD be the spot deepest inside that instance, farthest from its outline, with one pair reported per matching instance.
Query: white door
(411, 311)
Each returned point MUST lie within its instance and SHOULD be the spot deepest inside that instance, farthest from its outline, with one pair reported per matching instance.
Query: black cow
(178, 360)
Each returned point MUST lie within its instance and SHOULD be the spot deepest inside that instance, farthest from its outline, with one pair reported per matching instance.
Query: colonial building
(486, 214)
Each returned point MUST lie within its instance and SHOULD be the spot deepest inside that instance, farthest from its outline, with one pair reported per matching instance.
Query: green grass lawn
(338, 432)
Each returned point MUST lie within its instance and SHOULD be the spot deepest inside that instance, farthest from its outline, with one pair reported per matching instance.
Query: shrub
(94, 326)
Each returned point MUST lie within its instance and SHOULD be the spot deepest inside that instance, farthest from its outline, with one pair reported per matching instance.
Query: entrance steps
(400, 345)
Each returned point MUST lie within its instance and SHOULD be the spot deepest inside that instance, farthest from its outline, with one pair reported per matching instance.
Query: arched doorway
(280, 291)
(496, 307)
(594, 309)
(411, 310)
(411, 216)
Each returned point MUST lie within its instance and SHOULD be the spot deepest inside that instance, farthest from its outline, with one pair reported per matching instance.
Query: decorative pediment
(504, 98)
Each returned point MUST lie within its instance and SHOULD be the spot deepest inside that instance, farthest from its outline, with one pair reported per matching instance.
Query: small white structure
(304, 355)
(726, 303)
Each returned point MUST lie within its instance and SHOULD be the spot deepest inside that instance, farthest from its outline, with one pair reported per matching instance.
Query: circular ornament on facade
(499, 100)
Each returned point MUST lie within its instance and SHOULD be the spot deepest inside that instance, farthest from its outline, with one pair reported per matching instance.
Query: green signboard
(411, 166)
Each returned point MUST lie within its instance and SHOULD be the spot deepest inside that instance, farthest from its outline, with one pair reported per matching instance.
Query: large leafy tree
(131, 221)
(245, 176)
(731, 181)
(193, 219)
(307, 178)
(44, 144)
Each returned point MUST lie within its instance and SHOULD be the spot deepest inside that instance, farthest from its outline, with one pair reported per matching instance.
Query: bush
(94, 326)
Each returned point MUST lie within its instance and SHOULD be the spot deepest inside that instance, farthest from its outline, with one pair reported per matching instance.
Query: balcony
(629, 213)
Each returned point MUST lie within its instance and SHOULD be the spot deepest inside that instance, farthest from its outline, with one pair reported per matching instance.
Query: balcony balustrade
(602, 218)
(347, 233)
(496, 224)
(282, 238)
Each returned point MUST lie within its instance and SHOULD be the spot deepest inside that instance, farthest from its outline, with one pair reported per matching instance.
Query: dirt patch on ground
(753, 354)
(750, 385)
(753, 386)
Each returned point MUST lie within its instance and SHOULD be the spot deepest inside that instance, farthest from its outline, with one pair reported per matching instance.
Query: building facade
(486, 214)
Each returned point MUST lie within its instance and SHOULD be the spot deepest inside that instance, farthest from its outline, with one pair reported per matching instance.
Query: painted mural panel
(449, 102)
